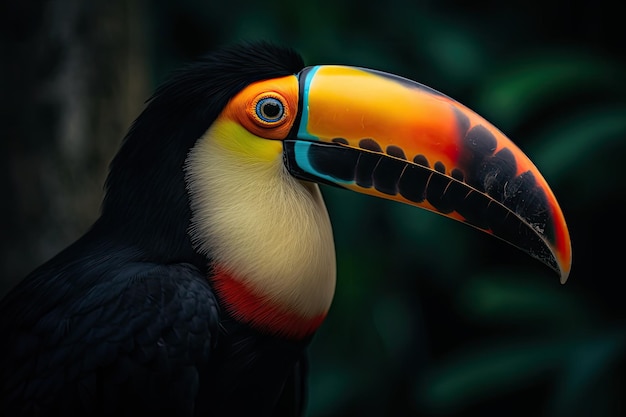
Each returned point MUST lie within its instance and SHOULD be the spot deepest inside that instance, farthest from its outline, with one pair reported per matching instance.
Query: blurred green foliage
(432, 317)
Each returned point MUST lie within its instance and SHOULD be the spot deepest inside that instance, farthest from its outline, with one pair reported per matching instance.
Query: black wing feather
(135, 341)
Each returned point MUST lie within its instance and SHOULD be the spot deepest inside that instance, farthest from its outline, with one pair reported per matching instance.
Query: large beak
(391, 137)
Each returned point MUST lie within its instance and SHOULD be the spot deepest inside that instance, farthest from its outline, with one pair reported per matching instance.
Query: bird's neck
(268, 235)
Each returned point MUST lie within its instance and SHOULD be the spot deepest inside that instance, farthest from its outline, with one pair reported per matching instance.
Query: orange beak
(390, 137)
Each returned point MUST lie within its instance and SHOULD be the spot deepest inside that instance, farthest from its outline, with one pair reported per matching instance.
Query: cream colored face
(242, 199)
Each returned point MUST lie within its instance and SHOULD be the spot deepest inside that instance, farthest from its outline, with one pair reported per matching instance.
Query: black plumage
(124, 321)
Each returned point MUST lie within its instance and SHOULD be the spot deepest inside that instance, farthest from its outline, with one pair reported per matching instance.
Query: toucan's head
(232, 143)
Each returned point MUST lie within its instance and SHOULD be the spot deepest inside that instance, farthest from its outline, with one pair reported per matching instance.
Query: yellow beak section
(390, 137)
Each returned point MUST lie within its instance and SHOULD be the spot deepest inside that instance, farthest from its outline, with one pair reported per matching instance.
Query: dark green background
(430, 317)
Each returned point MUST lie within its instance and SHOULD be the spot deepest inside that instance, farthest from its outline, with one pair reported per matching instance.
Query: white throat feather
(255, 221)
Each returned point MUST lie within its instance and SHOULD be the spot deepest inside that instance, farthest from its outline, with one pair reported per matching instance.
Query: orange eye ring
(266, 108)
(269, 109)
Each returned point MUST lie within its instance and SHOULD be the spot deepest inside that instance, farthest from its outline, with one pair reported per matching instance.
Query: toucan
(211, 266)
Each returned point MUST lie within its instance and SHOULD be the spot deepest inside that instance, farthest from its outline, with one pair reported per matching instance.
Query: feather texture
(125, 321)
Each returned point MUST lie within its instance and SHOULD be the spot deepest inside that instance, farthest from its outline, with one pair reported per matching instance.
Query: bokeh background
(431, 317)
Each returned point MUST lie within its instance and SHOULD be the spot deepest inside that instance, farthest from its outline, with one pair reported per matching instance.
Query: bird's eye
(266, 112)
(270, 110)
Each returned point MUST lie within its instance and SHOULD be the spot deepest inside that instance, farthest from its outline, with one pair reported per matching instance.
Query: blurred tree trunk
(73, 77)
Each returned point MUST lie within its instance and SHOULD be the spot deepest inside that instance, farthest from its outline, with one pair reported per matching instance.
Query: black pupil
(271, 109)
